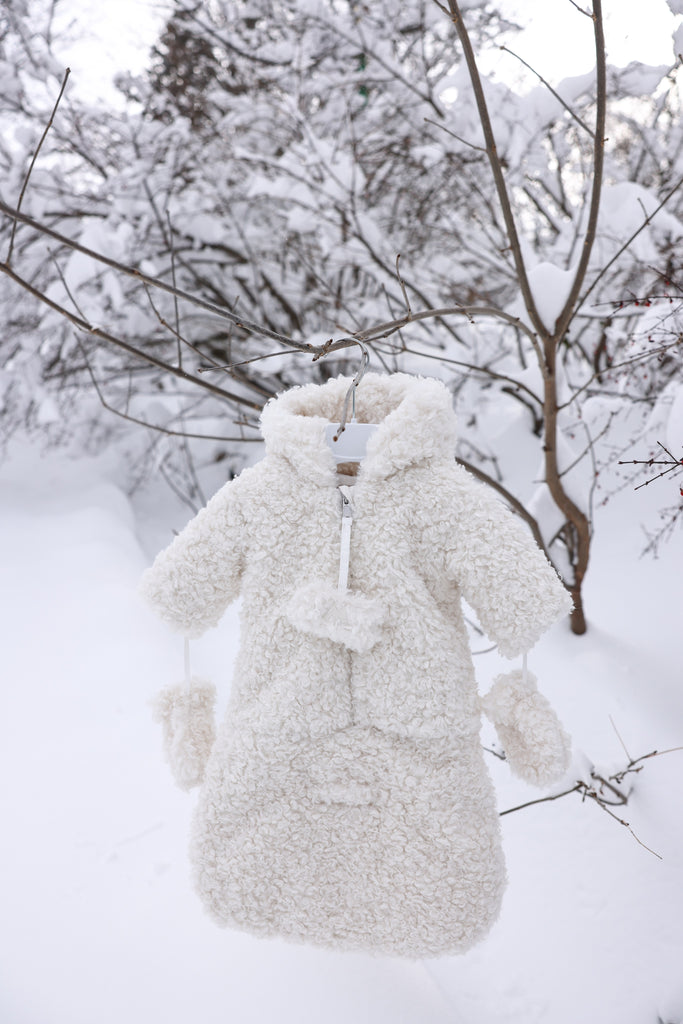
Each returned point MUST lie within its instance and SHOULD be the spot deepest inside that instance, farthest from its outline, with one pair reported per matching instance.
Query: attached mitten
(186, 714)
(536, 746)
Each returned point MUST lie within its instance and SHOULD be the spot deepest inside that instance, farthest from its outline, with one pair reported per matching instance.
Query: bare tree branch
(33, 162)
(595, 791)
(370, 334)
(565, 316)
(175, 285)
(98, 332)
(628, 241)
(550, 89)
(496, 168)
(587, 14)
(390, 327)
(145, 423)
(458, 138)
(220, 311)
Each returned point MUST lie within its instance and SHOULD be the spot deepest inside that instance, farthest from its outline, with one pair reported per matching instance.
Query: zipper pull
(347, 508)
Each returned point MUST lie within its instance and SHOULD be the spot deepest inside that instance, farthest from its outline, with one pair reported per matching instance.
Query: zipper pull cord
(188, 671)
(345, 547)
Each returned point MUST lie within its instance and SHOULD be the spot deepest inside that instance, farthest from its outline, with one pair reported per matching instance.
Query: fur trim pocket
(348, 618)
(186, 716)
(536, 746)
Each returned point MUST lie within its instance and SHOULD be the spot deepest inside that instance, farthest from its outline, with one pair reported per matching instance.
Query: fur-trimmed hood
(414, 415)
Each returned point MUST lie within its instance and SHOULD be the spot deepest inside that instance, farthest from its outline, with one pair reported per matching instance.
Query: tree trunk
(577, 534)
(577, 619)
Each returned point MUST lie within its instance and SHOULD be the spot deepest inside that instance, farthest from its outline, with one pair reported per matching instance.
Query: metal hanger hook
(351, 393)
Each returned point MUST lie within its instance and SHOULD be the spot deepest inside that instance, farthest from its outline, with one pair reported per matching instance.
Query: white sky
(108, 37)
(557, 39)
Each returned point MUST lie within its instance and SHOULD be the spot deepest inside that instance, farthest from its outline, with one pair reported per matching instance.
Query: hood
(414, 415)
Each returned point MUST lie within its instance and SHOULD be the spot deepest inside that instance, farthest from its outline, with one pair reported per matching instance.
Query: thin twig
(181, 340)
(618, 366)
(458, 138)
(175, 297)
(33, 161)
(403, 287)
(126, 415)
(98, 332)
(65, 285)
(646, 757)
(644, 846)
(589, 792)
(246, 362)
(564, 319)
(621, 798)
(220, 311)
(586, 14)
(658, 477)
(144, 423)
(551, 90)
(672, 463)
(543, 799)
(626, 825)
(628, 241)
(390, 327)
(374, 54)
(186, 499)
(485, 371)
(227, 42)
(374, 333)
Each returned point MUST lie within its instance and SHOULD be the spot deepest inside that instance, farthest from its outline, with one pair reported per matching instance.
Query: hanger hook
(351, 393)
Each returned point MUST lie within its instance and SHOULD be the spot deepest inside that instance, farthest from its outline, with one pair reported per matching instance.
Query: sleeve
(192, 581)
(500, 570)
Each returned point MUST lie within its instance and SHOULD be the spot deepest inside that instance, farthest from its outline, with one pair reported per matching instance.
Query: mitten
(186, 714)
(536, 746)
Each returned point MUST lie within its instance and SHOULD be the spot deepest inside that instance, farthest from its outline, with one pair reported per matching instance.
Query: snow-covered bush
(277, 159)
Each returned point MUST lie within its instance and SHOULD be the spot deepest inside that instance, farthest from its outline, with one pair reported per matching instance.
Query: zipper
(344, 558)
(345, 544)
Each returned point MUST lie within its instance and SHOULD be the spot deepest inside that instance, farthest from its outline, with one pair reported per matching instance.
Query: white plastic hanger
(348, 441)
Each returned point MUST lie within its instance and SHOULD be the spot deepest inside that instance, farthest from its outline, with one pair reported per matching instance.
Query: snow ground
(99, 922)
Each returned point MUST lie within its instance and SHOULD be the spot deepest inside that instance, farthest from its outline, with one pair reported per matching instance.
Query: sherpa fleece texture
(536, 746)
(186, 715)
(346, 801)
